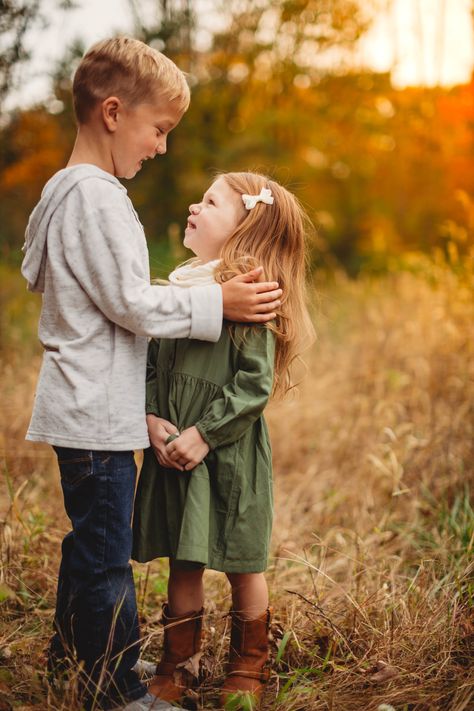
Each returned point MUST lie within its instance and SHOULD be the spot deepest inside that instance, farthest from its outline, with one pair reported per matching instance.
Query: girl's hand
(249, 300)
(187, 450)
(158, 431)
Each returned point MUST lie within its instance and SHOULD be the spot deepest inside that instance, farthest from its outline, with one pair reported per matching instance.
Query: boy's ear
(110, 111)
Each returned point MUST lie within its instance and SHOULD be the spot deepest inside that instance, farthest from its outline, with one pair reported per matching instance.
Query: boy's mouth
(190, 225)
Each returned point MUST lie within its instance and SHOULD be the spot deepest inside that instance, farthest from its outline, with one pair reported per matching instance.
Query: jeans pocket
(75, 465)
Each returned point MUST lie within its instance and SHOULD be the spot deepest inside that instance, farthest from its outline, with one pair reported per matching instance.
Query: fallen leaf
(384, 673)
(191, 665)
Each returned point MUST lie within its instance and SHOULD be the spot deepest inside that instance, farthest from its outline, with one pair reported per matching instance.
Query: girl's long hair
(274, 237)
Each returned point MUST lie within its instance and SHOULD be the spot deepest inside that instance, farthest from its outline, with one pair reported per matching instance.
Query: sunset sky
(424, 42)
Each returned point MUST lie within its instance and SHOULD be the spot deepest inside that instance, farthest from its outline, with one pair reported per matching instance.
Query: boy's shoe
(149, 702)
(58, 670)
(144, 669)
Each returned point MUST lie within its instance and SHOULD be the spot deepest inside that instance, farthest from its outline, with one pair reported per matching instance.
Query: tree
(16, 19)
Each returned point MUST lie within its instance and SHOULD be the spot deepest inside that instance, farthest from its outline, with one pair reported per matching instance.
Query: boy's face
(212, 221)
(141, 133)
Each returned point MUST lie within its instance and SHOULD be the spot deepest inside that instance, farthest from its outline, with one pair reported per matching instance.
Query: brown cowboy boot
(247, 672)
(178, 671)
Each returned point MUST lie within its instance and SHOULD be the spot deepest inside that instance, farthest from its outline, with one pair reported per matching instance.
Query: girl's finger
(170, 428)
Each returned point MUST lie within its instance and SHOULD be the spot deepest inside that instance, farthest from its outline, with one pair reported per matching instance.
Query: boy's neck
(90, 147)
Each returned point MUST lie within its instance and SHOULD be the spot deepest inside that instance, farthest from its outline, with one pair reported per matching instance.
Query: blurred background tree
(277, 88)
(15, 20)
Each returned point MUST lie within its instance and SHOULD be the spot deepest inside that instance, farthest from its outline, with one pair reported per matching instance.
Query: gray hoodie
(85, 250)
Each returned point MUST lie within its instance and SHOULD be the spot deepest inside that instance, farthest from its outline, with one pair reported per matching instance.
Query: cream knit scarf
(194, 273)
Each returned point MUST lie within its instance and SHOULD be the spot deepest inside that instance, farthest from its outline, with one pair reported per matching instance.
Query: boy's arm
(246, 298)
(102, 254)
(101, 249)
(241, 402)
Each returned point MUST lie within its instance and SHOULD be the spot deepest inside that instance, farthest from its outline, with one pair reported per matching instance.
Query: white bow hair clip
(251, 200)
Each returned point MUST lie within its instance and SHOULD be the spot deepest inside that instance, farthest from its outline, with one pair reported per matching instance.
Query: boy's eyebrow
(165, 123)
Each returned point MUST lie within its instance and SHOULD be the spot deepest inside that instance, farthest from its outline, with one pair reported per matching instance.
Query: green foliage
(241, 702)
(457, 522)
(19, 312)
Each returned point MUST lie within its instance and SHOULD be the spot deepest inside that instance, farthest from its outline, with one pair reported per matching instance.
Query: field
(371, 577)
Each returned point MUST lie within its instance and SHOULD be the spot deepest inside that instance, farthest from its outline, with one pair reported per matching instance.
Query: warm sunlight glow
(422, 42)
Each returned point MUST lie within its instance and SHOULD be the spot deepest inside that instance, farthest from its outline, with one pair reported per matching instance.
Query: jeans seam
(106, 516)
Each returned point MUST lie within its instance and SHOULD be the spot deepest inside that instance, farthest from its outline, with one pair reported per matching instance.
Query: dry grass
(372, 581)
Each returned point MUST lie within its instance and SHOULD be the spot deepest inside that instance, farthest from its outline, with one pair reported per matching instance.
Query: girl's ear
(110, 112)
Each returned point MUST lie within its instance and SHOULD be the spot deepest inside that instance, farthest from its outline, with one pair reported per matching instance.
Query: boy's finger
(263, 318)
(268, 289)
(265, 308)
(251, 275)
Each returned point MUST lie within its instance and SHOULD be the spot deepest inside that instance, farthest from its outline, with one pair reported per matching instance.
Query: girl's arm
(158, 429)
(151, 382)
(244, 398)
(241, 401)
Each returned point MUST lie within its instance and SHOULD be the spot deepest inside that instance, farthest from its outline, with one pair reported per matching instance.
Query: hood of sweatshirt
(36, 244)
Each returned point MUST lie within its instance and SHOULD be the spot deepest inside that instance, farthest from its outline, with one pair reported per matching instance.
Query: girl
(204, 413)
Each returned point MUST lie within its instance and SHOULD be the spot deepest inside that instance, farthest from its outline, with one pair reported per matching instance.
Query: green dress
(220, 513)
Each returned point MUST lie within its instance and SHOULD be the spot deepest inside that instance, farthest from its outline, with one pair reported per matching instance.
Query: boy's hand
(158, 431)
(187, 450)
(247, 299)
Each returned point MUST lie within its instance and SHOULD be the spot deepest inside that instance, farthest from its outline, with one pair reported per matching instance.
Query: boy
(85, 250)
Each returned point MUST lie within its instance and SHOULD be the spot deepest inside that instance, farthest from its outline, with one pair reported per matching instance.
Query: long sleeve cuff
(151, 406)
(206, 312)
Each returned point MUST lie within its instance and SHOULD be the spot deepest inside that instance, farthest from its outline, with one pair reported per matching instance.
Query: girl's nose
(194, 209)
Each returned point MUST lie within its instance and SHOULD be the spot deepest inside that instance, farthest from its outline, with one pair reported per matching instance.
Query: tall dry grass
(372, 573)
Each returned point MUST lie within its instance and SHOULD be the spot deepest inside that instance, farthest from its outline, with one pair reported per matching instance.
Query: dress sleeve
(243, 399)
(151, 378)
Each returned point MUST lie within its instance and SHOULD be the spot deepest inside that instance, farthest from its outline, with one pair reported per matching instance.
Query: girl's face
(212, 221)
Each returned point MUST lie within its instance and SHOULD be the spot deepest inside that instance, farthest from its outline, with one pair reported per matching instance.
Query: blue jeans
(96, 613)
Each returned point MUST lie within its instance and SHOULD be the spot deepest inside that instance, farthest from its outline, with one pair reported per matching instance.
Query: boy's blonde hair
(274, 237)
(129, 69)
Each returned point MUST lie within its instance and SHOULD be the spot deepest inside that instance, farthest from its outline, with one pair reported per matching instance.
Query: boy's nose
(161, 147)
(194, 209)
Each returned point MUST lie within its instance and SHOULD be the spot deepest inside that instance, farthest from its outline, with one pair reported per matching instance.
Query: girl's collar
(194, 273)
